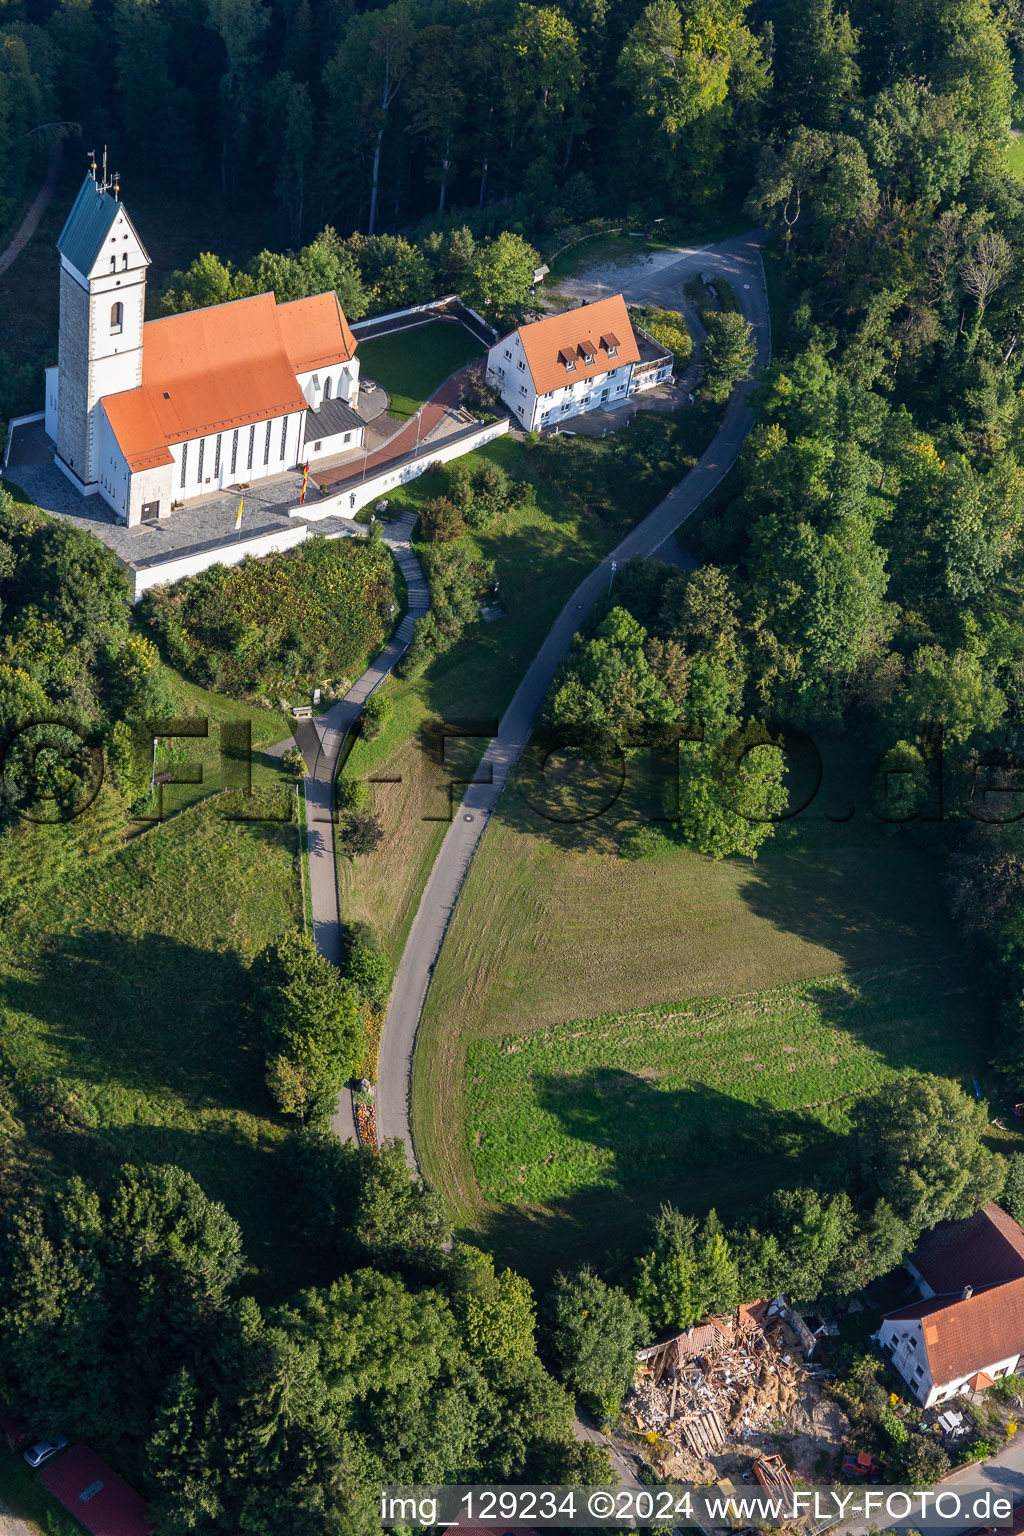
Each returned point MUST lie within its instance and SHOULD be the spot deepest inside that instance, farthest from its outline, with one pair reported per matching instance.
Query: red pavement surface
(418, 427)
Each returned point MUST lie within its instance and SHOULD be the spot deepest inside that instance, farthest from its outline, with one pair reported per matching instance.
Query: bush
(294, 762)
(371, 974)
(644, 843)
(350, 794)
(359, 832)
(377, 711)
(441, 520)
(668, 327)
(311, 1026)
(285, 620)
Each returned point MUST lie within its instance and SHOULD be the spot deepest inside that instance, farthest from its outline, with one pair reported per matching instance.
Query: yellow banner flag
(238, 519)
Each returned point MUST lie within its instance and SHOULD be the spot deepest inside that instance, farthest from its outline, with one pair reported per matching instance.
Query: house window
(116, 319)
(347, 438)
(234, 450)
(284, 437)
(918, 1370)
(522, 389)
(202, 455)
(327, 389)
(522, 366)
(184, 461)
(216, 455)
(317, 447)
(266, 445)
(508, 353)
(252, 446)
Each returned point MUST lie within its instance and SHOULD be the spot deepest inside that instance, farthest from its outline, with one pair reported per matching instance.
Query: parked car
(44, 1449)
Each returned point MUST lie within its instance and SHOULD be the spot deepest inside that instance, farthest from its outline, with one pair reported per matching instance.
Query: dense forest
(527, 116)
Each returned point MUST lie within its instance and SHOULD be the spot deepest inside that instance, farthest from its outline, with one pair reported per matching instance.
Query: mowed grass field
(555, 1139)
(411, 364)
(613, 1102)
(124, 1020)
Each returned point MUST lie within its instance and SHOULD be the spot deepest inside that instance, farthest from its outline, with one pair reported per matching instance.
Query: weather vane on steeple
(109, 183)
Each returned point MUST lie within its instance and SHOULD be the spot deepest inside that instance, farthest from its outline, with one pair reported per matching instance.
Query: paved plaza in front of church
(201, 525)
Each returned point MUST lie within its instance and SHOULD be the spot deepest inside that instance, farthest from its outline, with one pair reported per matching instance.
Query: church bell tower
(103, 269)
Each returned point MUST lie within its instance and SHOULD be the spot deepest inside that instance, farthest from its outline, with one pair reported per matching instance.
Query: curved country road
(660, 279)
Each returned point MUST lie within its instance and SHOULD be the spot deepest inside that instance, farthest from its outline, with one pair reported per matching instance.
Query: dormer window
(588, 358)
(116, 319)
(613, 351)
(570, 366)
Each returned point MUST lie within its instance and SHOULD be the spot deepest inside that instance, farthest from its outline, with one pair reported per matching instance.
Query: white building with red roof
(584, 359)
(968, 1328)
(153, 415)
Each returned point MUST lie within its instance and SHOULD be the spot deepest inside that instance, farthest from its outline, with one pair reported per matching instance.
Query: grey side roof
(87, 226)
(334, 416)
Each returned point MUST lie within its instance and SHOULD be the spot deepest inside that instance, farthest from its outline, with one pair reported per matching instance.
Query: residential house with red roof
(584, 359)
(146, 415)
(968, 1328)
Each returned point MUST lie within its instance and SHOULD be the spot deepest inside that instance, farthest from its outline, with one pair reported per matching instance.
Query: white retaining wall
(400, 314)
(345, 503)
(226, 554)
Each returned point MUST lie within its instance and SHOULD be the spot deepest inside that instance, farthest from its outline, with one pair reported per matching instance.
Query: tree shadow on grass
(245, 1173)
(694, 1147)
(150, 1016)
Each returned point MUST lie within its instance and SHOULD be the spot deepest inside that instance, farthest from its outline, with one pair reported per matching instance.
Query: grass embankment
(411, 364)
(540, 554)
(552, 928)
(123, 993)
(216, 761)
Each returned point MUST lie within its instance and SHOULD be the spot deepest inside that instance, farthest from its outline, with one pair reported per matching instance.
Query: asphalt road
(739, 260)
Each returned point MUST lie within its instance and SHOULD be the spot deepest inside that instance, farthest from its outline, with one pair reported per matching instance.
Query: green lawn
(123, 996)
(552, 928)
(617, 1101)
(411, 364)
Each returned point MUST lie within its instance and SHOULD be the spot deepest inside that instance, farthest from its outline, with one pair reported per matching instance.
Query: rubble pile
(720, 1380)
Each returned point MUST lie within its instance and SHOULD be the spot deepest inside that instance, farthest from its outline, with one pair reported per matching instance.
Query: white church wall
(110, 466)
(320, 448)
(149, 485)
(245, 456)
(343, 379)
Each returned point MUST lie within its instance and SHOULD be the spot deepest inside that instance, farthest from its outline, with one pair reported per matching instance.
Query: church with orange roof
(151, 415)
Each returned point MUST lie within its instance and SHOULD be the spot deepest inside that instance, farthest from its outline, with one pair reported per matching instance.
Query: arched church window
(116, 319)
(327, 389)
(124, 262)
